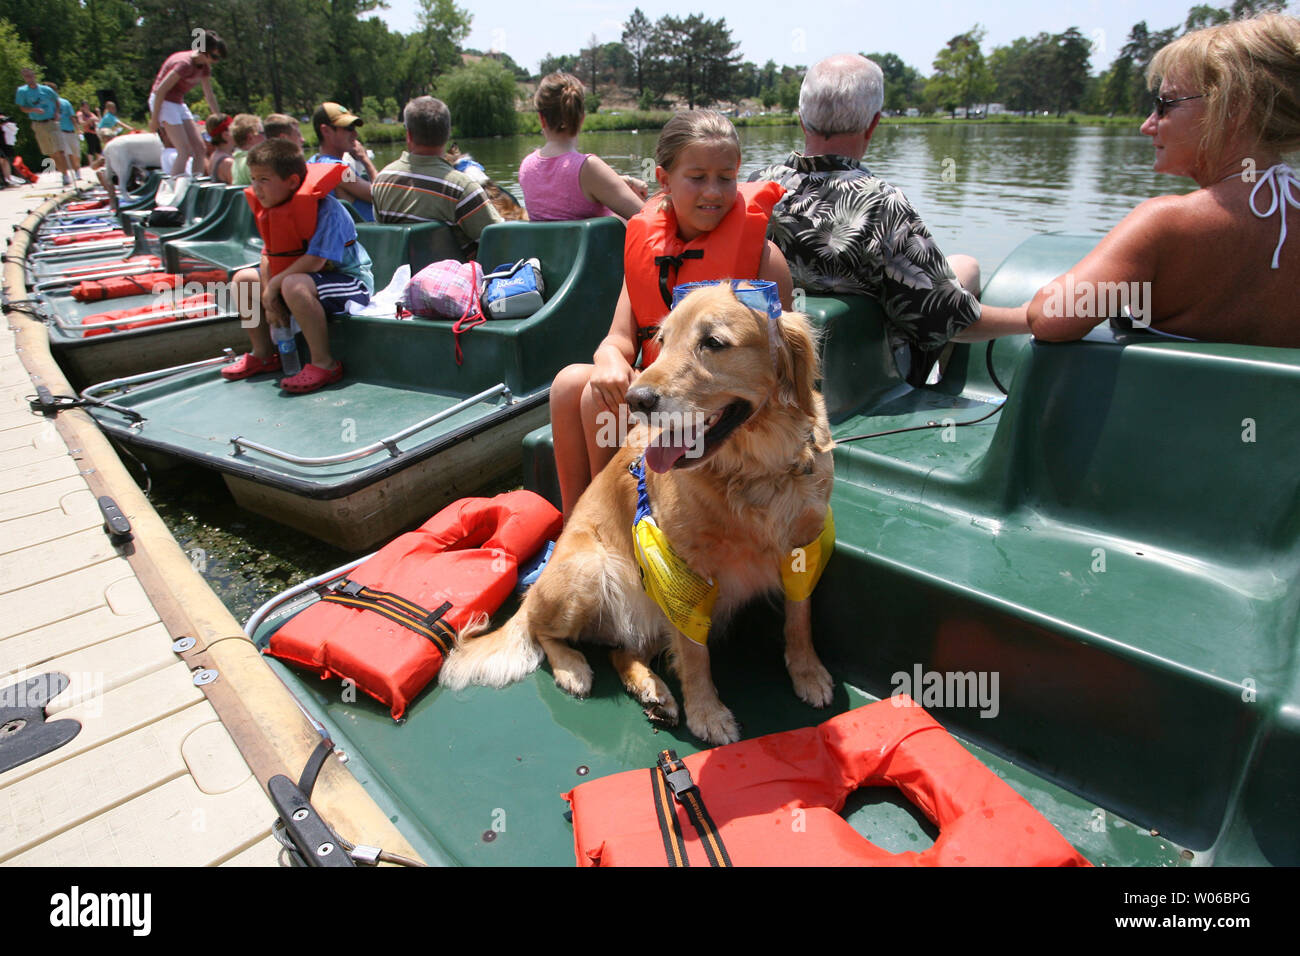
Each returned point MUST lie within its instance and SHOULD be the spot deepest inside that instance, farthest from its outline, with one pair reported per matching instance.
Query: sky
(779, 30)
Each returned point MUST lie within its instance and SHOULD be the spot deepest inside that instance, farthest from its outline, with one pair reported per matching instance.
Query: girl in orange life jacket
(698, 162)
(311, 263)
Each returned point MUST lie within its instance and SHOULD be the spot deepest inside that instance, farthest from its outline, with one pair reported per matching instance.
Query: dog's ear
(797, 365)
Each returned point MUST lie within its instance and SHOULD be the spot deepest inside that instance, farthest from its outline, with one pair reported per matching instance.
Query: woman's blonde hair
(692, 127)
(562, 102)
(1249, 73)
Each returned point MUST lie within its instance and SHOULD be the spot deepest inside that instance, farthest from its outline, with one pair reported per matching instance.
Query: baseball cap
(333, 114)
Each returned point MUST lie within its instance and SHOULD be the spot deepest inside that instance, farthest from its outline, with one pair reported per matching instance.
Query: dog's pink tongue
(661, 457)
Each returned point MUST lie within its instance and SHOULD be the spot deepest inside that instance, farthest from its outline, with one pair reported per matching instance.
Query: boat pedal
(116, 526)
(25, 734)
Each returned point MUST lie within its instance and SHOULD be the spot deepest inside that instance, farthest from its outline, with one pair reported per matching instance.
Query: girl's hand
(637, 186)
(611, 378)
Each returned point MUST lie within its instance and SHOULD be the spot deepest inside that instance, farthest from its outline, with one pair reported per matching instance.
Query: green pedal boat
(98, 350)
(407, 429)
(1094, 588)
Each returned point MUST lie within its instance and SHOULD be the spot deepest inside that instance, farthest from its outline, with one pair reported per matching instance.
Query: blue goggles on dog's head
(758, 294)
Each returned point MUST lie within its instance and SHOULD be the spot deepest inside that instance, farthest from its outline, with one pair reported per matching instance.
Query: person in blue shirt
(332, 270)
(336, 131)
(110, 125)
(68, 133)
(41, 104)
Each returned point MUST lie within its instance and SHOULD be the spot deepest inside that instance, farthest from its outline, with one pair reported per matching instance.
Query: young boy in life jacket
(312, 264)
(710, 227)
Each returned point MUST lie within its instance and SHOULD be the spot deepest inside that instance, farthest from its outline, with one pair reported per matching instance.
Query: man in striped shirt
(422, 187)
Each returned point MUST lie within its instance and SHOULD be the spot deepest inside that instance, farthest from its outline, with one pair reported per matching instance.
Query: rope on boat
(988, 361)
(921, 428)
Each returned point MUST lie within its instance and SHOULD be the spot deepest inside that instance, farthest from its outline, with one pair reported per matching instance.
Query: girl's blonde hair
(562, 102)
(1249, 73)
(690, 128)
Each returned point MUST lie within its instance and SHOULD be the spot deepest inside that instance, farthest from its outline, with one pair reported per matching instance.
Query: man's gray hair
(841, 94)
(428, 121)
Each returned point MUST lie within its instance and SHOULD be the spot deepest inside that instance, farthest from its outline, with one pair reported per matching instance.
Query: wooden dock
(165, 769)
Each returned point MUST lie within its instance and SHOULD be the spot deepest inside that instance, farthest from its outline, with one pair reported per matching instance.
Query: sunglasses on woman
(1162, 104)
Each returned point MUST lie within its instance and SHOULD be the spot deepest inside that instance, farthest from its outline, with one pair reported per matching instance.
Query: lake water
(982, 188)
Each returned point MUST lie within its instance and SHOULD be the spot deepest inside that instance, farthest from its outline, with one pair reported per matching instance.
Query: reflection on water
(982, 188)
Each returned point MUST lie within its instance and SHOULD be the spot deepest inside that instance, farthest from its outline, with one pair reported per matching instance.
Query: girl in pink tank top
(560, 183)
(552, 190)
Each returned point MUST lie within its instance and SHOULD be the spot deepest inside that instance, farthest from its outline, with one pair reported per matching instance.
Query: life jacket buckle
(676, 773)
(350, 588)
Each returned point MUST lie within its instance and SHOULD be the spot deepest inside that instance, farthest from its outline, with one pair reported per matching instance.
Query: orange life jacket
(151, 283)
(656, 259)
(287, 229)
(389, 625)
(100, 236)
(192, 307)
(775, 801)
(83, 206)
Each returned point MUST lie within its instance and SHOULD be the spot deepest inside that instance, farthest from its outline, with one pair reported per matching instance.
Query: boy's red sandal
(249, 364)
(311, 378)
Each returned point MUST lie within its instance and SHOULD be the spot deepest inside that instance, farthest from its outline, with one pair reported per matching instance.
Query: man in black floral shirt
(846, 232)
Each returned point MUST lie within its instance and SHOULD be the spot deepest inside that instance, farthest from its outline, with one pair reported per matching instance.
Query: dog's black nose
(642, 398)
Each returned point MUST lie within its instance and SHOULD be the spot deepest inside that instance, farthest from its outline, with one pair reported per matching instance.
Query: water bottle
(284, 341)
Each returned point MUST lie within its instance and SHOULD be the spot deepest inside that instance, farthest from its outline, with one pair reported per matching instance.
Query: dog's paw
(812, 683)
(574, 677)
(660, 705)
(714, 725)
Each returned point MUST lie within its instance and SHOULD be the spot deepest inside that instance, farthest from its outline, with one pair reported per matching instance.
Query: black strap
(313, 766)
(675, 262)
(671, 774)
(48, 404)
(399, 610)
(674, 845)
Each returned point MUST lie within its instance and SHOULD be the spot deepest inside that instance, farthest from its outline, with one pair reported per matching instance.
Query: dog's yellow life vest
(687, 597)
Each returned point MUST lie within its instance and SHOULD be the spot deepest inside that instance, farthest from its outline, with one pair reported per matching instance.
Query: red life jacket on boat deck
(190, 306)
(775, 801)
(656, 260)
(89, 237)
(94, 290)
(286, 229)
(389, 625)
(88, 204)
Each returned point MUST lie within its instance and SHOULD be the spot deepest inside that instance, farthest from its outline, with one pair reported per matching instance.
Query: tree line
(695, 59)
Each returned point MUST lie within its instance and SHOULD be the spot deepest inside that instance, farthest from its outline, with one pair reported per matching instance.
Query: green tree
(443, 28)
(639, 39)
(701, 57)
(1204, 15)
(1069, 68)
(15, 55)
(481, 97)
(961, 75)
(902, 82)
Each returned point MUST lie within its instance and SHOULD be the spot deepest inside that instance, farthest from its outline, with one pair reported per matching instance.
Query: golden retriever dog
(744, 483)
